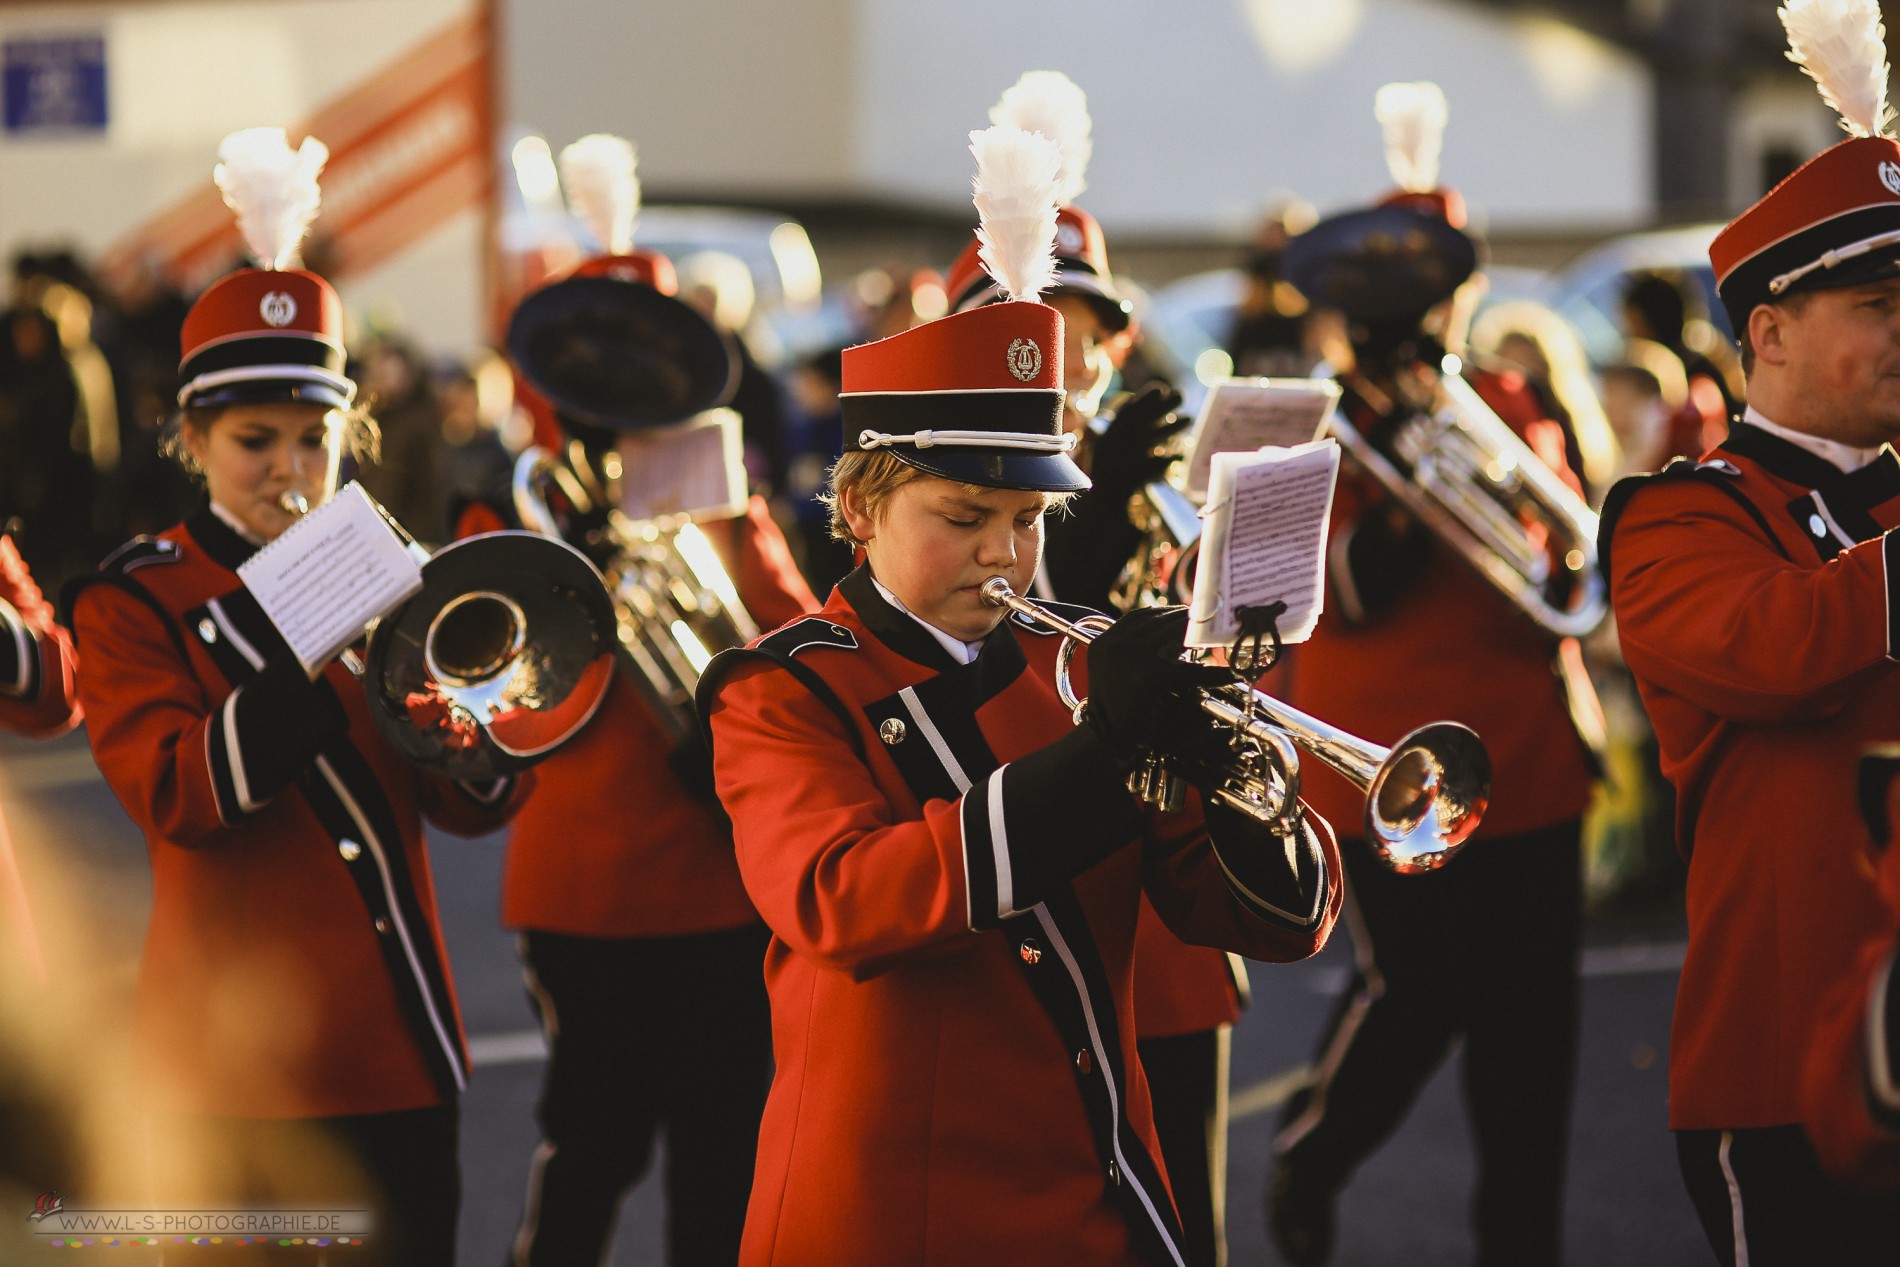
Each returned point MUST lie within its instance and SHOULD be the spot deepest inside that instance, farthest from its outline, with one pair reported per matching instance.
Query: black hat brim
(1380, 265)
(270, 391)
(997, 468)
(621, 355)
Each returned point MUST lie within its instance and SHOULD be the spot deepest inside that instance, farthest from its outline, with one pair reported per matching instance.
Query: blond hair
(876, 474)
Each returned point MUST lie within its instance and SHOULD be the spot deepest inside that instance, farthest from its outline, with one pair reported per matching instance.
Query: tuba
(617, 357)
(503, 656)
(1425, 795)
(1442, 452)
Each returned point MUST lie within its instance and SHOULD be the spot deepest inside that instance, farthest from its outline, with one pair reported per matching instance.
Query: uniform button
(208, 629)
(1114, 1174)
(892, 731)
(350, 850)
(382, 924)
(1083, 1062)
(1817, 525)
(1030, 950)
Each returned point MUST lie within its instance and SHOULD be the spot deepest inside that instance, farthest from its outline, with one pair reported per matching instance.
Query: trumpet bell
(504, 655)
(1427, 797)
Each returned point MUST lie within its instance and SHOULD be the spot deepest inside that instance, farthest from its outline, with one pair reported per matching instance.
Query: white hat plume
(272, 188)
(1413, 117)
(598, 173)
(1049, 102)
(1842, 44)
(1016, 186)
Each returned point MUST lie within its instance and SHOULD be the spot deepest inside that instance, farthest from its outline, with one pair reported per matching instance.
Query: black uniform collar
(1848, 491)
(217, 538)
(999, 662)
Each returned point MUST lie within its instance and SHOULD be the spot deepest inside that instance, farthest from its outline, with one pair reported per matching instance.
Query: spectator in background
(44, 478)
(477, 398)
(408, 478)
(720, 286)
(1533, 340)
(150, 316)
(814, 441)
(1654, 309)
(1270, 335)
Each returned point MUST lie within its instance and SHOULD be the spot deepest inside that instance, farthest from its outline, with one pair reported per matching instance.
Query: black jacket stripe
(1076, 994)
(1880, 1061)
(349, 803)
(19, 655)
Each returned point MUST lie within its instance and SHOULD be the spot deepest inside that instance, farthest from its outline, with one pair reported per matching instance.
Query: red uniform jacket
(613, 843)
(952, 1019)
(293, 966)
(1443, 646)
(1754, 605)
(37, 697)
(1850, 1090)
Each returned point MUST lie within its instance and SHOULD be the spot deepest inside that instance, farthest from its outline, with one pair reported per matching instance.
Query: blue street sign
(54, 84)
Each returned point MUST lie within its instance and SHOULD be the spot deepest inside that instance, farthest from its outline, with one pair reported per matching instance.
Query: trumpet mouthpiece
(996, 591)
(293, 504)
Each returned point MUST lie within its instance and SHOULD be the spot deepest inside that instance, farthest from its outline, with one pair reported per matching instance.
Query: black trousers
(1483, 949)
(1187, 1080)
(1764, 1201)
(646, 1034)
(401, 1167)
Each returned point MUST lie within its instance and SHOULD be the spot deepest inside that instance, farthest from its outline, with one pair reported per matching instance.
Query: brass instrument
(1161, 573)
(1425, 795)
(674, 606)
(502, 656)
(1467, 477)
(1449, 459)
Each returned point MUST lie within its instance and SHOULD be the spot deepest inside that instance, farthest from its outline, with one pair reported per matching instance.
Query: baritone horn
(1425, 795)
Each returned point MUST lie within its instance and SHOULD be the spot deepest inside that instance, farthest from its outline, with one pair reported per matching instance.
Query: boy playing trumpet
(949, 863)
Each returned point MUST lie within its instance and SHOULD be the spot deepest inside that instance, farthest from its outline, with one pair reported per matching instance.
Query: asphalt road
(1407, 1205)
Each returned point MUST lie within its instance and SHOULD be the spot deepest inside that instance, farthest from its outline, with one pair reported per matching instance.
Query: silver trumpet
(1425, 795)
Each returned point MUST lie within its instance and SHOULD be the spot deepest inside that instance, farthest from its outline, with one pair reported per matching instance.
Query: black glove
(1124, 460)
(1142, 695)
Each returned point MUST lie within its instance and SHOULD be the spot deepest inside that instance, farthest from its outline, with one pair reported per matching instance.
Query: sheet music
(696, 468)
(1245, 414)
(1265, 541)
(331, 573)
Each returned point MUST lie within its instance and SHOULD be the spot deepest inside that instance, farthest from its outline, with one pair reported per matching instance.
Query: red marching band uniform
(1182, 992)
(640, 945)
(1755, 594)
(952, 869)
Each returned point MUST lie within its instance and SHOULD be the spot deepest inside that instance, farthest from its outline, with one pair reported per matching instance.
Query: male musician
(950, 865)
(1755, 604)
(1485, 948)
(641, 949)
(1186, 997)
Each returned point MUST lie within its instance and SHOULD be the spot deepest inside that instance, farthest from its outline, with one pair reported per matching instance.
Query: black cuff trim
(19, 655)
(1034, 824)
(1280, 880)
(1890, 573)
(268, 731)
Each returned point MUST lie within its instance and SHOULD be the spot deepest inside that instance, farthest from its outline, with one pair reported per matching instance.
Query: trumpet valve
(1154, 783)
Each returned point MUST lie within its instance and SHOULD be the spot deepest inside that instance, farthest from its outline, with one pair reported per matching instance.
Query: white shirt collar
(960, 651)
(236, 525)
(1845, 456)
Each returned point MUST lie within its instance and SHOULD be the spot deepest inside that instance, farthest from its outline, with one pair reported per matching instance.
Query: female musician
(950, 867)
(295, 1027)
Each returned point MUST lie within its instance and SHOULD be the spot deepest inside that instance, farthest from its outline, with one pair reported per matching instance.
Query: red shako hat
(1836, 220)
(610, 344)
(1412, 117)
(271, 333)
(976, 396)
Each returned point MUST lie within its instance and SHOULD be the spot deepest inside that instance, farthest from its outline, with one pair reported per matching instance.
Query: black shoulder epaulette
(812, 631)
(1070, 612)
(1715, 472)
(116, 570)
(781, 647)
(139, 552)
